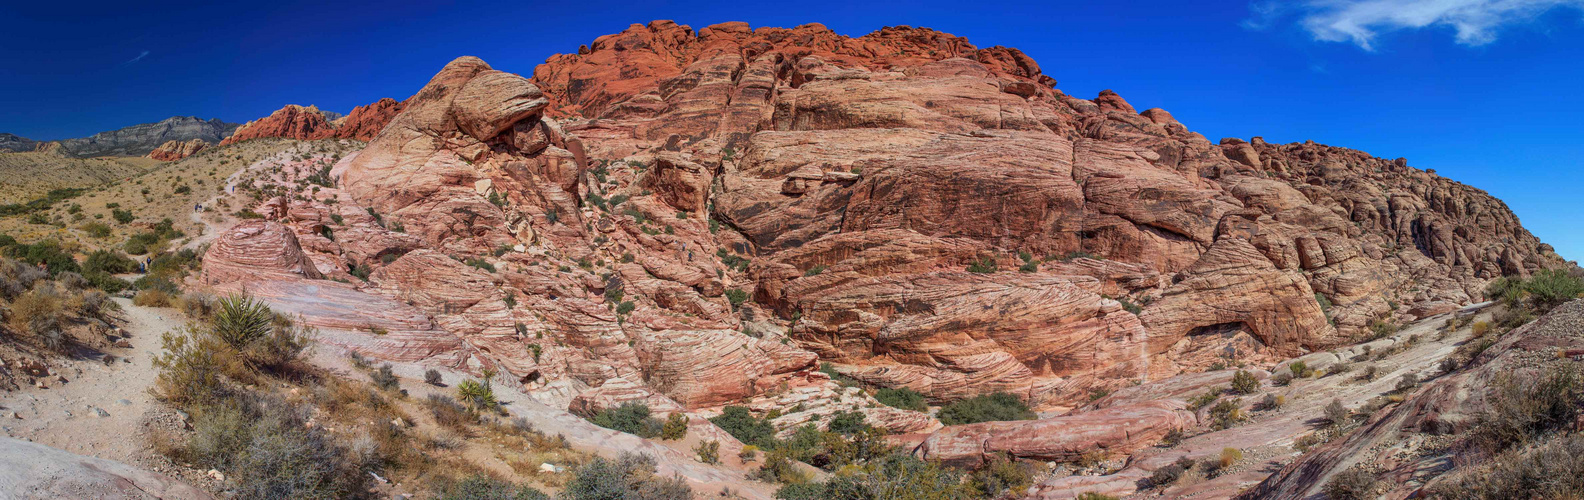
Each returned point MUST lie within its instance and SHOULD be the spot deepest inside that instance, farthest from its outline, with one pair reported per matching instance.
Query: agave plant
(239, 320)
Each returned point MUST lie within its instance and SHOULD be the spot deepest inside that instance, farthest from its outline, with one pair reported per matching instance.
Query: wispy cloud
(139, 57)
(1475, 22)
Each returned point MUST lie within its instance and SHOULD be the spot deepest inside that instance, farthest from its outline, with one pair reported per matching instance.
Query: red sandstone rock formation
(694, 219)
(309, 123)
(176, 150)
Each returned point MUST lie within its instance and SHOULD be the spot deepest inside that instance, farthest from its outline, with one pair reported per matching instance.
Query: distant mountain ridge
(136, 140)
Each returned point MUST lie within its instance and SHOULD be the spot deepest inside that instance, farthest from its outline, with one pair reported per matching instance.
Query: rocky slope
(695, 218)
(310, 123)
(176, 150)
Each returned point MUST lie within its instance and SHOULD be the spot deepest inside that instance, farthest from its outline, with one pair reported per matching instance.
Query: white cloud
(1360, 21)
(136, 59)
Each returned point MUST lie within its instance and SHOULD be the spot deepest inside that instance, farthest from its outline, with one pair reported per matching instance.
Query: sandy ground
(100, 409)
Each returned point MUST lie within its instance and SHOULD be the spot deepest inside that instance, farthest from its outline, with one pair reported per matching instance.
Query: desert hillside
(788, 263)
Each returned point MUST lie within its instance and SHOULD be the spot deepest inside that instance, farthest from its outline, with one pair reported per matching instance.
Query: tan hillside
(30, 174)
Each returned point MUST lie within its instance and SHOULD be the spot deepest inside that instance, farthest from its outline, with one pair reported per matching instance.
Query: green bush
(122, 216)
(630, 476)
(675, 428)
(482, 487)
(632, 418)
(1244, 382)
(985, 408)
(47, 252)
(901, 397)
(96, 230)
(1522, 408)
(901, 477)
(736, 296)
(1002, 476)
(985, 265)
(737, 421)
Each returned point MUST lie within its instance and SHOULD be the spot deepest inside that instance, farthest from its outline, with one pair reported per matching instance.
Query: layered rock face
(692, 219)
(311, 123)
(176, 150)
(140, 140)
(866, 174)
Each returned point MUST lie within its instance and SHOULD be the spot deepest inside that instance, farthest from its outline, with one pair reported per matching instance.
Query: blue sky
(1486, 92)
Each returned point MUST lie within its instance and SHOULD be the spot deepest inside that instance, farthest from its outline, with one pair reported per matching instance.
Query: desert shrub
(1522, 408)
(632, 418)
(1226, 414)
(191, 366)
(447, 411)
(96, 230)
(17, 277)
(985, 408)
(898, 476)
(1380, 328)
(846, 423)
(737, 421)
(708, 452)
(480, 264)
(1549, 288)
(1481, 328)
(1244, 382)
(152, 298)
(38, 312)
(483, 487)
(901, 397)
(1272, 402)
(778, 468)
(432, 377)
(1551, 469)
(55, 259)
(675, 428)
(1001, 475)
(1351, 484)
(106, 261)
(1210, 396)
(1166, 475)
(1337, 414)
(385, 378)
(736, 297)
(629, 476)
(1090, 495)
(1281, 379)
(198, 307)
(1300, 369)
(477, 396)
(122, 216)
(266, 449)
(985, 265)
(1407, 383)
(1228, 457)
(749, 453)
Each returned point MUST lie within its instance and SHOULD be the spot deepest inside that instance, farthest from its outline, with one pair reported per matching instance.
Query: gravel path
(100, 409)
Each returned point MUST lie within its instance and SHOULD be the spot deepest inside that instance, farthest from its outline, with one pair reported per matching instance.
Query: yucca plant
(239, 320)
(478, 396)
